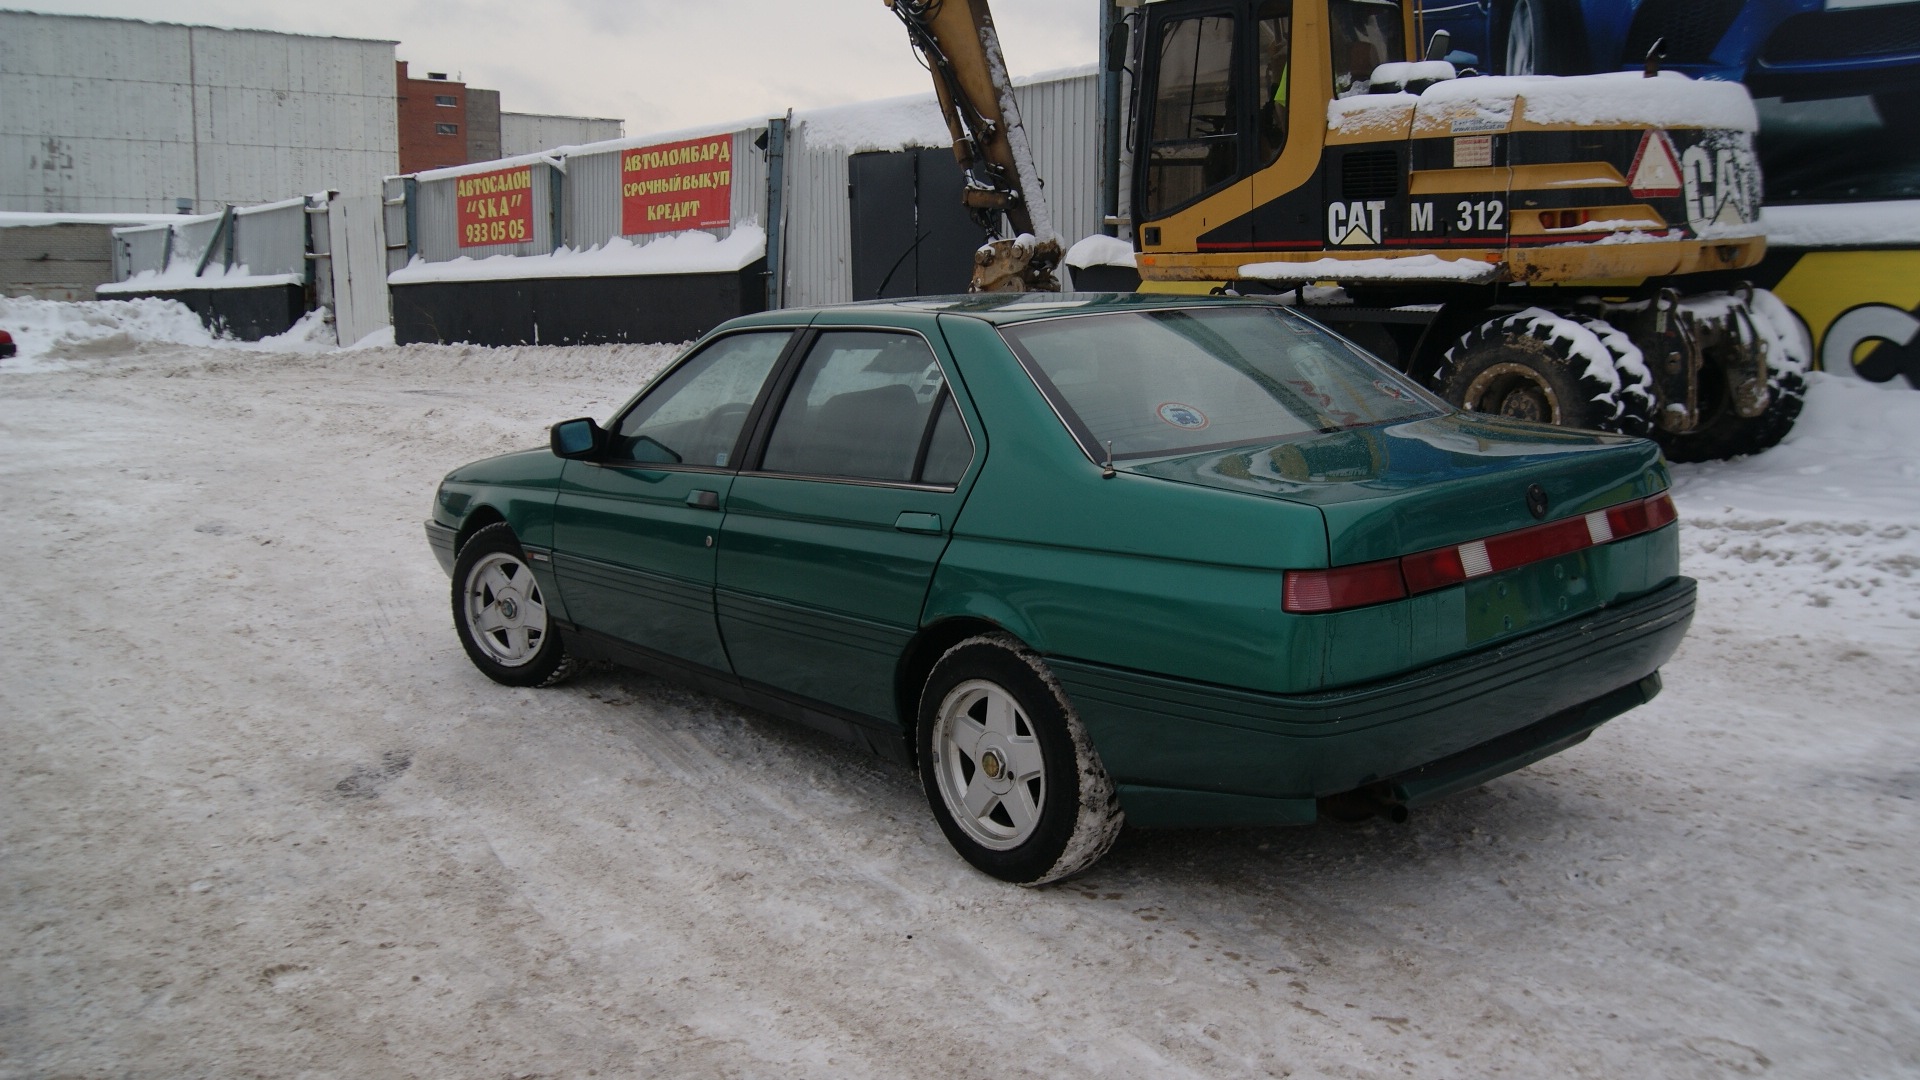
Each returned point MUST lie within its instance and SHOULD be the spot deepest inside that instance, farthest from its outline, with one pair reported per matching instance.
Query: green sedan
(1084, 560)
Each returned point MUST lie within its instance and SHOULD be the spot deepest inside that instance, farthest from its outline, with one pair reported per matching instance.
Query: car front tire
(1008, 768)
(500, 612)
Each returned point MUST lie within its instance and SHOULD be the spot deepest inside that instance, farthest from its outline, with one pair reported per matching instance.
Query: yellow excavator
(1557, 249)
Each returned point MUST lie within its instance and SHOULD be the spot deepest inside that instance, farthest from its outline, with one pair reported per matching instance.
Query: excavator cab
(1230, 118)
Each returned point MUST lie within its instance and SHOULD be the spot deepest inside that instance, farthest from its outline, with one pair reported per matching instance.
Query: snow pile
(681, 253)
(51, 334)
(1828, 521)
(1100, 250)
(1871, 224)
(48, 331)
(1410, 268)
(180, 275)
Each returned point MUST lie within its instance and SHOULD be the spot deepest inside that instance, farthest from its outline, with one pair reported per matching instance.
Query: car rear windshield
(1154, 383)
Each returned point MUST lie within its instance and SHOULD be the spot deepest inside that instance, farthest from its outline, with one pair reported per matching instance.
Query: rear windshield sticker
(1183, 416)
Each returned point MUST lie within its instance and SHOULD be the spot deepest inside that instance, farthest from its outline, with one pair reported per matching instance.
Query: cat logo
(1354, 224)
(1720, 186)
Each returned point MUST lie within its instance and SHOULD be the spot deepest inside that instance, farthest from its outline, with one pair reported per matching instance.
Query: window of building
(446, 101)
(446, 129)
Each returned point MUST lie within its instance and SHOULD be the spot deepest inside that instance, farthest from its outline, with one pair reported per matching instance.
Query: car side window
(694, 415)
(949, 447)
(860, 408)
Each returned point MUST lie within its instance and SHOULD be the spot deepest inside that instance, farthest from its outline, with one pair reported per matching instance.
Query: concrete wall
(55, 262)
(116, 115)
(483, 124)
(528, 133)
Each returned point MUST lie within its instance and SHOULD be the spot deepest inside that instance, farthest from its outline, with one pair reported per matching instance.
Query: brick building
(444, 122)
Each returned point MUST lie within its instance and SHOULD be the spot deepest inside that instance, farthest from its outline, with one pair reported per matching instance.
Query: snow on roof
(1611, 99)
(180, 276)
(1866, 224)
(888, 124)
(682, 253)
(554, 158)
(1409, 268)
(19, 219)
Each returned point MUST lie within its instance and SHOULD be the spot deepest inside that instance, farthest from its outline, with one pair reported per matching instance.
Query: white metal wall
(593, 199)
(115, 115)
(530, 133)
(1062, 122)
(267, 239)
(437, 225)
(271, 239)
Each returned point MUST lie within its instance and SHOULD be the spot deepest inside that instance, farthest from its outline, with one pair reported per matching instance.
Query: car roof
(1005, 308)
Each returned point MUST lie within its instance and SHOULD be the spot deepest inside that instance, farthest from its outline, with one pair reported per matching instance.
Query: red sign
(496, 207)
(678, 186)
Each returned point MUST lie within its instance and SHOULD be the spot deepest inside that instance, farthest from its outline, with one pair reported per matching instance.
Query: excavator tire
(1723, 433)
(1639, 398)
(1527, 367)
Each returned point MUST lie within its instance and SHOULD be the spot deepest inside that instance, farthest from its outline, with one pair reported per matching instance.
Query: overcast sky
(657, 64)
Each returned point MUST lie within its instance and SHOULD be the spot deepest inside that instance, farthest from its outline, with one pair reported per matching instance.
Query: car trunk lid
(1395, 489)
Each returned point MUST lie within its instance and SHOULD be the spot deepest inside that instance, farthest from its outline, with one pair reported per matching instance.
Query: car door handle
(703, 500)
(910, 521)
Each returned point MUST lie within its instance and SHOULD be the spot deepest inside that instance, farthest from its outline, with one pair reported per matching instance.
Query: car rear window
(1154, 383)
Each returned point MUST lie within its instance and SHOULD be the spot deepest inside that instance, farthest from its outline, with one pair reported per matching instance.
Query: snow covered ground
(260, 816)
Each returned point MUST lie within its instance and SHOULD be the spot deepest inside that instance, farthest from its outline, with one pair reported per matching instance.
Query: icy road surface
(260, 817)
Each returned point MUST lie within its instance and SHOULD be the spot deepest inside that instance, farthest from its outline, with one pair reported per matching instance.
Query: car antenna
(1106, 469)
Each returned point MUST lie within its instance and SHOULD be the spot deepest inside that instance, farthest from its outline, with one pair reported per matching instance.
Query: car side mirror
(579, 440)
(1440, 45)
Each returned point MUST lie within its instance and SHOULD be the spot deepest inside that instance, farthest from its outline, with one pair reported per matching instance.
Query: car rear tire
(500, 613)
(1008, 768)
(1523, 367)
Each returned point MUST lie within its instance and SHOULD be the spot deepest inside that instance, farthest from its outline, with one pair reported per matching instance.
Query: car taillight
(1343, 587)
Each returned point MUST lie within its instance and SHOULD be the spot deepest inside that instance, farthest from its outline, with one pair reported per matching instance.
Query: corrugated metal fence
(267, 239)
(1061, 117)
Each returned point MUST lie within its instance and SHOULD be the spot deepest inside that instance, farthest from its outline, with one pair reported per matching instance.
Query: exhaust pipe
(1364, 804)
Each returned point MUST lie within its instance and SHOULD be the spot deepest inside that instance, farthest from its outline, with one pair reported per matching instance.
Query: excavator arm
(957, 40)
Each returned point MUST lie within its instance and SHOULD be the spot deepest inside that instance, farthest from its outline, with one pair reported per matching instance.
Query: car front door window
(694, 416)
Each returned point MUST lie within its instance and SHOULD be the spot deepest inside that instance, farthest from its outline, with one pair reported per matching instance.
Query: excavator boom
(957, 41)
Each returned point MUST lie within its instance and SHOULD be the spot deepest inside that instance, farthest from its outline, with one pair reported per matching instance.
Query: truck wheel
(1536, 366)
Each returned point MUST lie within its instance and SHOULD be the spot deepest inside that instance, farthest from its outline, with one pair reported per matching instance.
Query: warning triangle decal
(1656, 168)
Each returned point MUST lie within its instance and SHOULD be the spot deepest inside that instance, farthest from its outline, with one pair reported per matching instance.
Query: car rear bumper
(1192, 754)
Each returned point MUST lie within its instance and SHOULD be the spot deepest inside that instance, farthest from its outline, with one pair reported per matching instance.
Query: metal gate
(911, 234)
